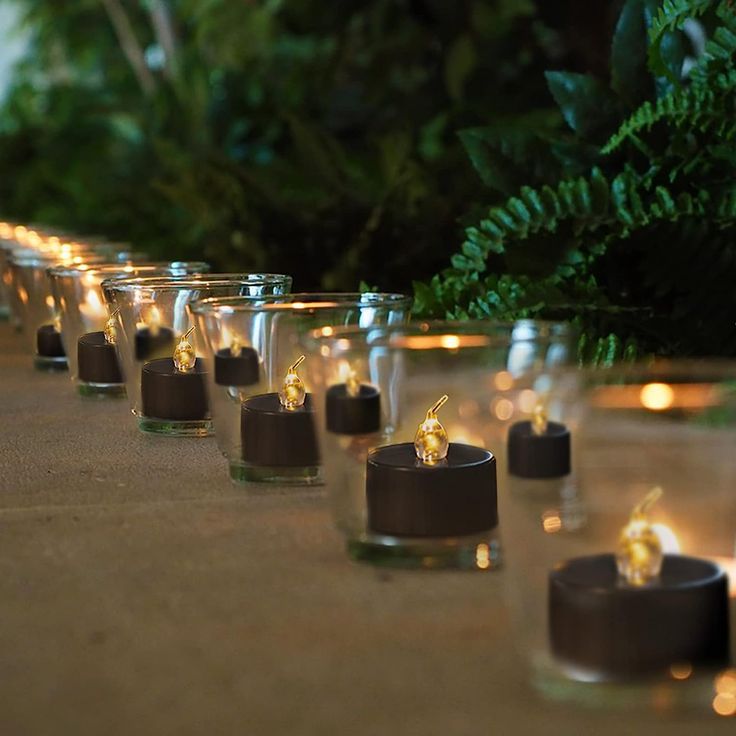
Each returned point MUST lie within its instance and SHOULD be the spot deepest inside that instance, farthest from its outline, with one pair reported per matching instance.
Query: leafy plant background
(624, 224)
(363, 141)
(299, 135)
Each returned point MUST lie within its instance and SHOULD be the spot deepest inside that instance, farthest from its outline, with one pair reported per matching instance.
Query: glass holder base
(176, 428)
(46, 363)
(101, 390)
(241, 472)
(480, 552)
(693, 692)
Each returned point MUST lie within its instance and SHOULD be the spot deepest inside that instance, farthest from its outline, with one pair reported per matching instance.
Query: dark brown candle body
(167, 393)
(603, 628)
(273, 436)
(406, 497)
(97, 360)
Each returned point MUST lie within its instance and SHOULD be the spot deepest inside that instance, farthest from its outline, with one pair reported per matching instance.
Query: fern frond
(670, 17)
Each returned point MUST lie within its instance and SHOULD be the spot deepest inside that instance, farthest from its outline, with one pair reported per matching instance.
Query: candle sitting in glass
(278, 433)
(237, 365)
(540, 469)
(353, 408)
(431, 488)
(85, 320)
(152, 339)
(174, 388)
(639, 612)
(97, 360)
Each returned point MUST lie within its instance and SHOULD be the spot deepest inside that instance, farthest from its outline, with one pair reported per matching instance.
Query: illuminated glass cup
(269, 334)
(33, 302)
(588, 632)
(152, 313)
(491, 373)
(78, 295)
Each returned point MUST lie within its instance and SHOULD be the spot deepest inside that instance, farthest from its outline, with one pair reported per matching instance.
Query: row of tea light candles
(611, 616)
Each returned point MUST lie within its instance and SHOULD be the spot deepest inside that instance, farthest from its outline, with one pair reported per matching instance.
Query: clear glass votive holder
(81, 305)
(152, 315)
(267, 336)
(490, 372)
(594, 636)
(33, 302)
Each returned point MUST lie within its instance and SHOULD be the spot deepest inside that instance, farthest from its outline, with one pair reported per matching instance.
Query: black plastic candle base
(407, 498)
(274, 437)
(48, 342)
(168, 394)
(476, 552)
(602, 629)
(153, 344)
(532, 455)
(97, 360)
(346, 414)
(240, 370)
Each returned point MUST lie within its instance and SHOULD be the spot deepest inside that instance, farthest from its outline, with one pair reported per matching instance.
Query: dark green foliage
(633, 236)
(309, 136)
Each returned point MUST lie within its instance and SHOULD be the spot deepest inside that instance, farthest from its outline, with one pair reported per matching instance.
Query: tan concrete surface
(141, 593)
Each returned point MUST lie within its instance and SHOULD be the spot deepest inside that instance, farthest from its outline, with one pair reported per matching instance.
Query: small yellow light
(111, 330)
(482, 556)
(657, 396)
(724, 704)
(184, 356)
(50, 302)
(539, 419)
(451, 342)
(503, 409)
(681, 670)
(352, 384)
(293, 394)
(430, 442)
(551, 521)
(725, 682)
(236, 347)
(639, 555)
(503, 380)
(528, 399)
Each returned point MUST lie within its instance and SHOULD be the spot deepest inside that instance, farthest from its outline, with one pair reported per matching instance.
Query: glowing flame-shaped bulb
(430, 442)
(293, 394)
(184, 356)
(539, 419)
(235, 347)
(111, 329)
(352, 384)
(639, 555)
(153, 321)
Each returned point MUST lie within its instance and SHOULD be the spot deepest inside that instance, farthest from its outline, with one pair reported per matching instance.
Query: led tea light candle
(152, 339)
(431, 487)
(78, 293)
(174, 389)
(278, 432)
(540, 470)
(97, 360)
(539, 448)
(353, 408)
(237, 365)
(638, 612)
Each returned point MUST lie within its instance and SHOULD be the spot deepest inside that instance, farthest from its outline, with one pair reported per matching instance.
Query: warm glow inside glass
(274, 329)
(33, 301)
(668, 429)
(492, 373)
(161, 303)
(78, 294)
